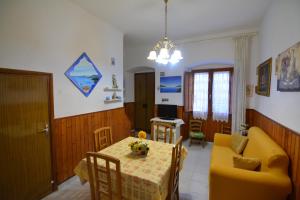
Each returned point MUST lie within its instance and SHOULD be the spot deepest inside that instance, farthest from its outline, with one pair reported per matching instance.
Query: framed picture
(288, 69)
(84, 74)
(263, 72)
(170, 84)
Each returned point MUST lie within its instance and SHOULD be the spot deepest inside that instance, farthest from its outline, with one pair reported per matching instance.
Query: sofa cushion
(246, 163)
(238, 143)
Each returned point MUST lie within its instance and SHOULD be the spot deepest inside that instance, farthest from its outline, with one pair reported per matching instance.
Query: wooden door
(24, 135)
(144, 100)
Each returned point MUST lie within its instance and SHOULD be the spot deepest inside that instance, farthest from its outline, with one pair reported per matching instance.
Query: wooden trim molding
(73, 137)
(288, 139)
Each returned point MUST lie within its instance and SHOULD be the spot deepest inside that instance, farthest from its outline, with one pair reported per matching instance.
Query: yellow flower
(142, 135)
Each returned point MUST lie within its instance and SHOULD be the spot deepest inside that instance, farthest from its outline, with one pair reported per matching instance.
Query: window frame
(210, 87)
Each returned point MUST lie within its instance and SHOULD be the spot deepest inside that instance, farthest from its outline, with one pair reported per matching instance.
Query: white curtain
(200, 105)
(241, 62)
(220, 93)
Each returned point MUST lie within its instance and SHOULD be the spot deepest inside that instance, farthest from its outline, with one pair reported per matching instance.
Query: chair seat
(197, 135)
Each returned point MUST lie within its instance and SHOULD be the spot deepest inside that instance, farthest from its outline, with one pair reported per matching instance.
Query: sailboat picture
(84, 74)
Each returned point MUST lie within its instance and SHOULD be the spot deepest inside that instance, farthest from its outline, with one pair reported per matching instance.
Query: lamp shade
(177, 55)
(164, 53)
(152, 55)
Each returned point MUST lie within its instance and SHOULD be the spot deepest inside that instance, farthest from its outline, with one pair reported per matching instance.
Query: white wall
(48, 36)
(219, 51)
(280, 29)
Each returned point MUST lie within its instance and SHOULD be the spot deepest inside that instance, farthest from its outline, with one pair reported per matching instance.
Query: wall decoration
(114, 81)
(84, 74)
(249, 90)
(288, 69)
(264, 71)
(170, 84)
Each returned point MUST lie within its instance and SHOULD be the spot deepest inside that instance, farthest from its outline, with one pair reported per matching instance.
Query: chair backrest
(103, 179)
(102, 138)
(161, 131)
(175, 168)
(195, 125)
(226, 129)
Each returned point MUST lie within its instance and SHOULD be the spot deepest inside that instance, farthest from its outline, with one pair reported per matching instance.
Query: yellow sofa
(228, 183)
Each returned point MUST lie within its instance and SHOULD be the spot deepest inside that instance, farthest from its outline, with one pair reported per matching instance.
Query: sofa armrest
(228, 183)
(222, 139)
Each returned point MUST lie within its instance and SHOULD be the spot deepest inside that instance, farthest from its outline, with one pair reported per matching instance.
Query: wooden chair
(163, 131)
(195, 131)
(100, 178)
(102, 138)
(173, 192)
(225, 129)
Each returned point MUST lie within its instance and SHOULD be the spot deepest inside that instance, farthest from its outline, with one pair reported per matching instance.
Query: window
(220, 94)
(212, 94)
(200, 104)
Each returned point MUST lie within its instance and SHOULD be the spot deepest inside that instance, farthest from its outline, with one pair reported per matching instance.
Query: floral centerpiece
(142, 135)
(140, 147)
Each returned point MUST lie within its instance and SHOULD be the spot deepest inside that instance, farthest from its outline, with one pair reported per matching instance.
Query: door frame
(51, 115)
(135, 93)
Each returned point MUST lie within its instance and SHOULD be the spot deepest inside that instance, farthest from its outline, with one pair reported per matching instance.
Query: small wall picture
(170, 84)
(288, 69)
(114, 81)
(249, 90)
(263, 72)
(84, 74)
(113, 61)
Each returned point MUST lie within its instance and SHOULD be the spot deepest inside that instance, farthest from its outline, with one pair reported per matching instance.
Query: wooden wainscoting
(289, 140)
(130, 112)
(73, 137)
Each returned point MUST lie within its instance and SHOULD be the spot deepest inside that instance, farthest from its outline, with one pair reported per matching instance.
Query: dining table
(143, 177)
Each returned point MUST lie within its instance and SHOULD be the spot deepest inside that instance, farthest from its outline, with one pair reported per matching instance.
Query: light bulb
(177, 55)
(173, 60)
(164, 53)
(152, 55)
(161, 60)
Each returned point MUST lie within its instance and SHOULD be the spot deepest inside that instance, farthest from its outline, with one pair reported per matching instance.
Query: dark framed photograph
(264, 72)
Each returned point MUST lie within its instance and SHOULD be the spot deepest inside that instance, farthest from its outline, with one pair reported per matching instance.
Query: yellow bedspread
(143, 178)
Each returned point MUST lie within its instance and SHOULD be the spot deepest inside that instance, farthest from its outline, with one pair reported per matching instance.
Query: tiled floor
(193, 178)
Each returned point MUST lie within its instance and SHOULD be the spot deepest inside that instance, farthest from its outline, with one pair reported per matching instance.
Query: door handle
(45, 130)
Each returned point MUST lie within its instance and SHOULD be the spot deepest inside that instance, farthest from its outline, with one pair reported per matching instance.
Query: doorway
(26, 113)
(144, 92)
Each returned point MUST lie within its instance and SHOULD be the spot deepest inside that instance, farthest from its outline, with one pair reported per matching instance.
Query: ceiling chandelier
(165, 51)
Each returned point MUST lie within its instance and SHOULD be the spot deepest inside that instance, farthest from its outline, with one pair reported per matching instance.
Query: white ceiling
(142, 21)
